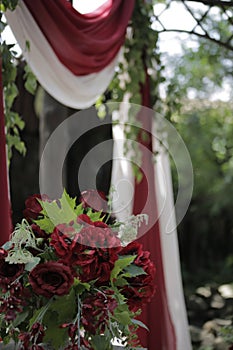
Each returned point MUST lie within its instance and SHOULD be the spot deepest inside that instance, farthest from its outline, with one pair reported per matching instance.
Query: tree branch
(221, 43)
(219, 3)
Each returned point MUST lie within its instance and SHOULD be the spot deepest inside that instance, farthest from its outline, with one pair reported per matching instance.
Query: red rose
(95, 200)
(88, 250)
(84, 219)
(61, 241)
(100, 264)
(140, 289)
(9, 272)
(96, 234)
(51, 278)
(33, 207)
(133, 248)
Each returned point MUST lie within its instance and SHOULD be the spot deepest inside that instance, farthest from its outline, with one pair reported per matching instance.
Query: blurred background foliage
(199, 103)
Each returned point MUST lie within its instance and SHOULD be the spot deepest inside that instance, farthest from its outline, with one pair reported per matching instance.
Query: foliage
(212, 156)
(227, 334)
(14, 123)
(140, 58)
(199, 71)
(207, 128)
(71, 282)
(8, 4)
(195, 78)
(140, 53)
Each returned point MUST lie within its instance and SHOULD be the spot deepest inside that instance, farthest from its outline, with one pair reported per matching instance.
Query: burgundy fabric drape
(156, 314)
(4, 196)
(84, 43)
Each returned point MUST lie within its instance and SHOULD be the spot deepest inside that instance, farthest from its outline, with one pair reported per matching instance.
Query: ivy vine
(140, 57)
(13, 121)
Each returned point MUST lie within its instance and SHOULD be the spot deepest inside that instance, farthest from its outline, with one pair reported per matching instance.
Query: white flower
(21, 238)
(128, 230)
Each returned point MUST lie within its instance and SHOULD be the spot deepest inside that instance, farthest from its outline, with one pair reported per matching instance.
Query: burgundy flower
(94, 199)
(101, 266)
(140, 289)
(72, 332)
(37, 332)
(10, 306)
(33, 207)
(133, 248)
(84, 219)
(9, 272)
(101, 273)
(61, 241)
(25, 339)
(93, 250)
(51, 278)
(95, 311)
(96, 234)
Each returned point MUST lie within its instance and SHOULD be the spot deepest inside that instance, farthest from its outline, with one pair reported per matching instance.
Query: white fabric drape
(170, 250)
(165, 205)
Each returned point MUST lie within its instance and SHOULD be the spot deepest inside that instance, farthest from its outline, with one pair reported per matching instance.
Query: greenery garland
(14, 123)
(140, 56)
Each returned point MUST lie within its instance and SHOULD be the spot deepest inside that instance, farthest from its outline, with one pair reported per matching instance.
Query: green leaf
(31, 84)
(122, 317)
(45, 224)
(133, 271)
(95, 216)
(68, 206)
(48, 254)
(80, 287)
(120, 282)
(100, 342)
(58, 212)
(27, 44)
(2, 8)
(35, 316)
(11, 94)
(29, 266)
(30, 79)
(139, 323)
(120, 265)
(54, 335)
(65, 308)
(21, 317)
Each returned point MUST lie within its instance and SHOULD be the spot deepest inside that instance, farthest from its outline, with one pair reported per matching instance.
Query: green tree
(206, 233)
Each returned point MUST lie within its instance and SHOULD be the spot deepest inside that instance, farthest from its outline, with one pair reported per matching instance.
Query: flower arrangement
(70, 279)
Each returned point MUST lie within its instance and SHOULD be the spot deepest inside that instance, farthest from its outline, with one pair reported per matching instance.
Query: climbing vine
(140, 51)
(13, 121)
(140, 57)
